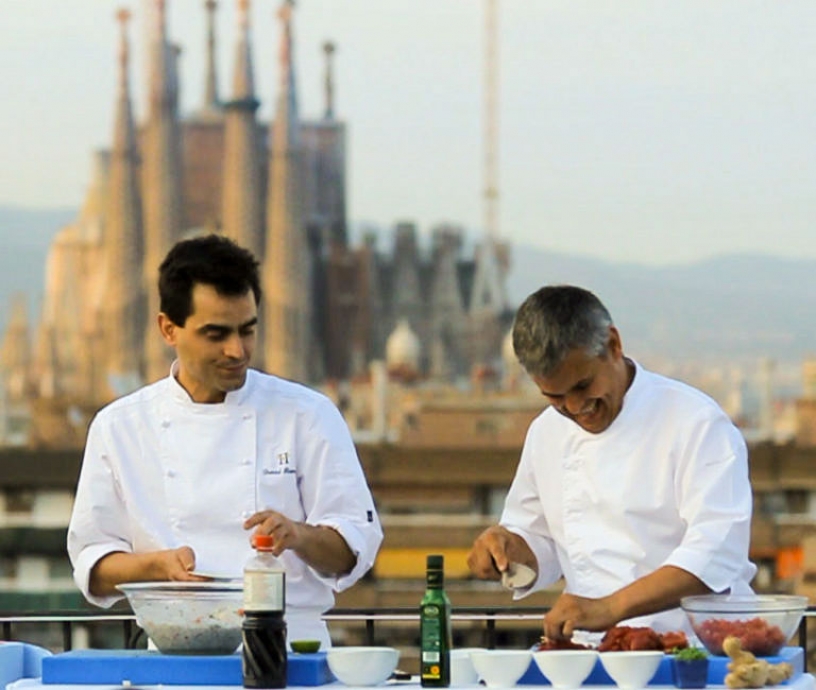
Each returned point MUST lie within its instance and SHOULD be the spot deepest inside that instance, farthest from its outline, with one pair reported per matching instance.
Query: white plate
(216, 577)
(228, 585)
(518, 576)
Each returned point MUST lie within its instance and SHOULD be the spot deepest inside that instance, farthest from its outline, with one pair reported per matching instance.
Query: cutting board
(717, 670)
(102, 666)
(20, 660)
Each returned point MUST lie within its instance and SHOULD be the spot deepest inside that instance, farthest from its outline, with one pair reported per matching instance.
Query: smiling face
(589, 389)
(215, 343)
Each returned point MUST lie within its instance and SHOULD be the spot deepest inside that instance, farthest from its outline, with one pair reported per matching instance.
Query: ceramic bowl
(631, 670)
(362, 665)
(566, 668)
(188, 617)
(462, 671)
(763, 622)
(501, 668)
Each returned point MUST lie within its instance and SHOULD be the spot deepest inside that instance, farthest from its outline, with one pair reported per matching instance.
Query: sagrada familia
(279, 188)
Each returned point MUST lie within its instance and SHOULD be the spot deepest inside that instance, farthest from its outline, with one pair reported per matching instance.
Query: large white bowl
(501, 668)
(631, 670)
(188, 617)
(462, 671)
(362, 665)
(566, 668)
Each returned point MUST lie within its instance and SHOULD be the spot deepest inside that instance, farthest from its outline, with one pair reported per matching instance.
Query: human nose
(574, 402)
(234, 347)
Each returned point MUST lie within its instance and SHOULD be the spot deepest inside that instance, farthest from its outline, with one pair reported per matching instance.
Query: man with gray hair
(631, 486)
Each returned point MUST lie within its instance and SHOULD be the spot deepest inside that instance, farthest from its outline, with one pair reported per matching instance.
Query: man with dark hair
(631, 486)
(176, 474)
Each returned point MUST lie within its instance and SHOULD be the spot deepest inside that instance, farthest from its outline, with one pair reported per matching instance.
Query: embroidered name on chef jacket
(282, 467)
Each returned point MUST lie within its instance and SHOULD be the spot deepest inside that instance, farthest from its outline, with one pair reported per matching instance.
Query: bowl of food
(362, 666)
(763, 622)
(188, 617)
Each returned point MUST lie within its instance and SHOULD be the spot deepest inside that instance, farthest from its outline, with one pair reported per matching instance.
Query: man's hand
(494, 549)
(318, 546)
(572, 613)
(177, 564)
(118, 567)
(285, 532)
(658, 591)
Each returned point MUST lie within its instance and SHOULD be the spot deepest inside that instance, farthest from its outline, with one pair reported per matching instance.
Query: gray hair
(554, 320)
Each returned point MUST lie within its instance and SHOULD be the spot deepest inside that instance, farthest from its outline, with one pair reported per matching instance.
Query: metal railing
(11, 622)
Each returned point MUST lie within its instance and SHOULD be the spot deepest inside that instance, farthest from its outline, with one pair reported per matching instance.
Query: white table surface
(805, 682)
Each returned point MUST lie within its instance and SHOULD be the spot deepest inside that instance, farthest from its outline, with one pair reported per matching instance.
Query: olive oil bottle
(435, 627)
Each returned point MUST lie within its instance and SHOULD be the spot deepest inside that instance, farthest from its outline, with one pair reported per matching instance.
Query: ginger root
(746, 671)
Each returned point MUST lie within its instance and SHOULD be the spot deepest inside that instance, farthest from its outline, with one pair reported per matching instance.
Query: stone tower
(162, 179)
(211, 103)
(286, 274)
(122, 308)
(242, 211)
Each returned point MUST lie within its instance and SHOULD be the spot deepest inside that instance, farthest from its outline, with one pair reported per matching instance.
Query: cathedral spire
(328, 51)
(243, 79)
(287, 266)
(211, 102)
(242, 211)
(123, 319)
(162, 181)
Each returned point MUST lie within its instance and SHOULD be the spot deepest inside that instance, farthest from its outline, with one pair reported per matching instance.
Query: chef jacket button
(165, 423)
(246, 462)
(171, 473)
(247, 416)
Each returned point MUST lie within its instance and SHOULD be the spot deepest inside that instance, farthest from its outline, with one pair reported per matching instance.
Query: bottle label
(264, 591)
(434, 648)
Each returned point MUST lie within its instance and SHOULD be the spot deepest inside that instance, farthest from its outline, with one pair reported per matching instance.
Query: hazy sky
(650, 131)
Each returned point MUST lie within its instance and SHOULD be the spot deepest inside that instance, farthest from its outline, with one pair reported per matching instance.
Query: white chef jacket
(666, 484)
(161, 471)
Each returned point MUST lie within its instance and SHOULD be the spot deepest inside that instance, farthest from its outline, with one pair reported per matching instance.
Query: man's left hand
(572, 613)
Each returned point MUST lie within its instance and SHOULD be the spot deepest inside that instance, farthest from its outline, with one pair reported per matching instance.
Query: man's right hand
(152, 566)
(493, 551)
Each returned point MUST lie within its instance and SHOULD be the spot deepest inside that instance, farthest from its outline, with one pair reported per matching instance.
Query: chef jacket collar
(179, 393)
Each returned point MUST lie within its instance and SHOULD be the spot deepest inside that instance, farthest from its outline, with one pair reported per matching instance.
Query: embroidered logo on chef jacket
(282, 466)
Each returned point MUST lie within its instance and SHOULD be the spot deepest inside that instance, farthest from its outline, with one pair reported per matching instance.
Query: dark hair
(211, 260)
(554, 320)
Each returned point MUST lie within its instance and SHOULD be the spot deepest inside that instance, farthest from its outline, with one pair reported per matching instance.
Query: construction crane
(491, 122)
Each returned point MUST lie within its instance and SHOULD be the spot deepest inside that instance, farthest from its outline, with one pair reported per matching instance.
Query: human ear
(167, 329)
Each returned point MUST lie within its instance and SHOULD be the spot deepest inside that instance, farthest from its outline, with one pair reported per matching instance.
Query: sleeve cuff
(364, 542)
(85, 562)
(715, 576)
(549, 571)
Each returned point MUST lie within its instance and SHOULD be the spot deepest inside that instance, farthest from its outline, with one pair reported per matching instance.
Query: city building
(278, 188)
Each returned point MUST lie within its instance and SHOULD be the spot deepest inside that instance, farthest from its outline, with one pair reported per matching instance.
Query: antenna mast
(491, 122)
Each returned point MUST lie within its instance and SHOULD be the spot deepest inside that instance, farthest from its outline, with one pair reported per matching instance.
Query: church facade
(278, 188)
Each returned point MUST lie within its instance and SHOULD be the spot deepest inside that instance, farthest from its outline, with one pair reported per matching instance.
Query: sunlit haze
(657, 132)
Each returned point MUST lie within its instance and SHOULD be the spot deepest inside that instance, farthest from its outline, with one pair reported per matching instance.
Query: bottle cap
(436, 561)
(263, 541)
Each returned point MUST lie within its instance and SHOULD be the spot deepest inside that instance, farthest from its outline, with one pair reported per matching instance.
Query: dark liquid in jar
(264, 654)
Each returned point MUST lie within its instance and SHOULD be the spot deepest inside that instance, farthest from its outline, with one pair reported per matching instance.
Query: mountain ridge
(724, 308)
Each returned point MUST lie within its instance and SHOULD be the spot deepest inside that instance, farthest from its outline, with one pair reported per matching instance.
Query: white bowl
(566, 668)
(462, 670)
(501, 668)
(631, 670)
(362, 665)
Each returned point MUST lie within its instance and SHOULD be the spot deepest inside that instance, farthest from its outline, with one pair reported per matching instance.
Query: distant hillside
(726, 308)
(25, 235)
